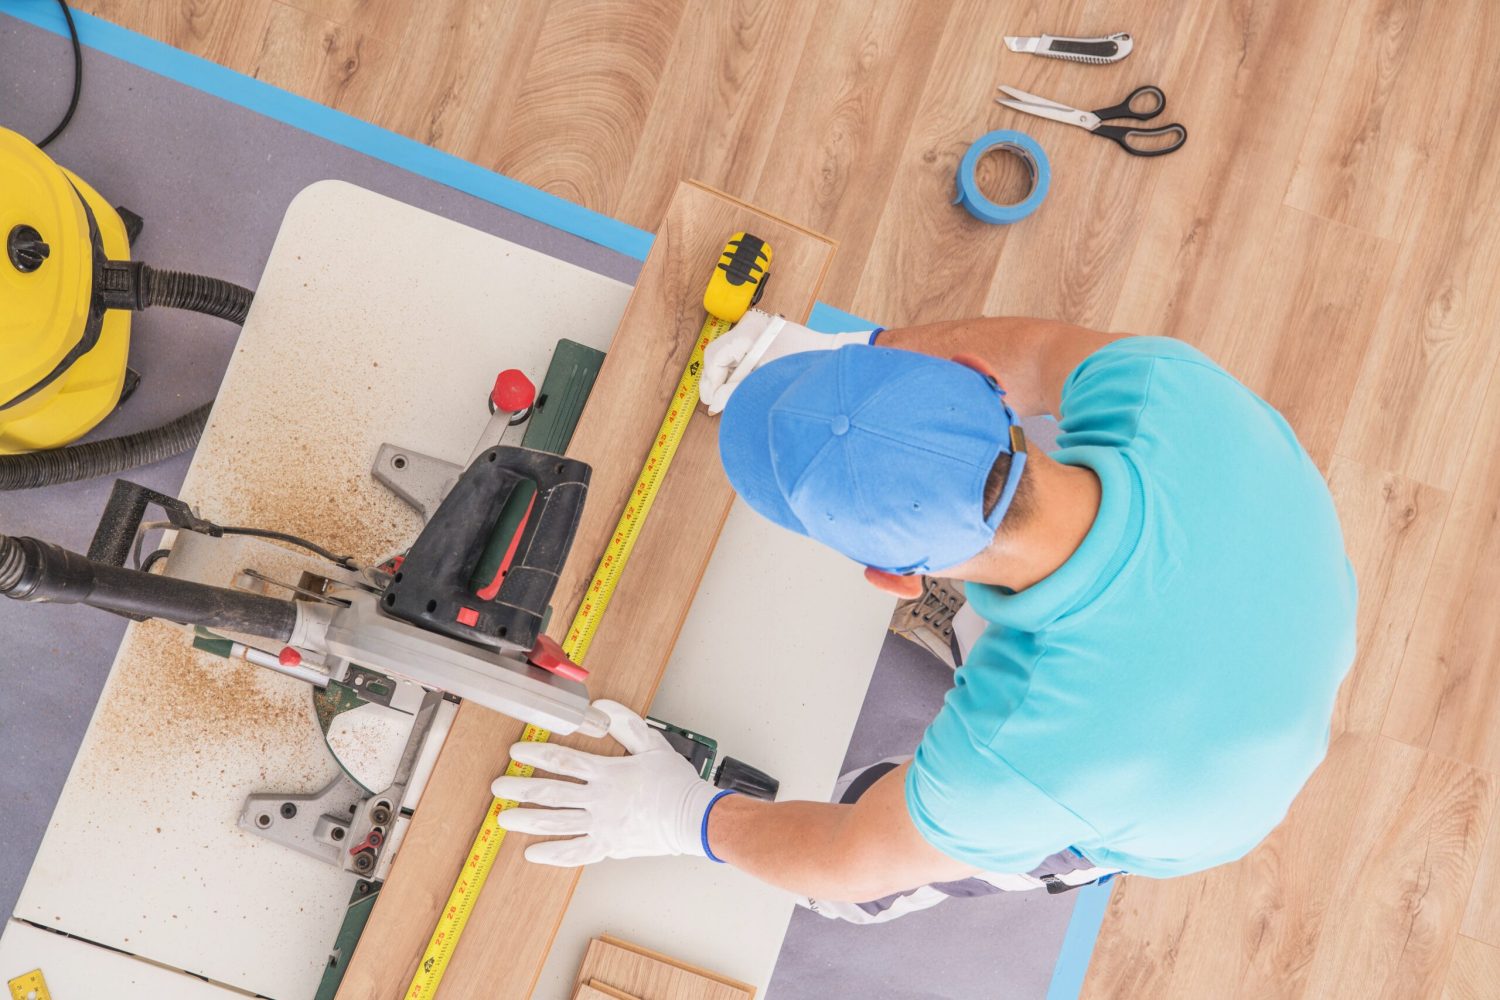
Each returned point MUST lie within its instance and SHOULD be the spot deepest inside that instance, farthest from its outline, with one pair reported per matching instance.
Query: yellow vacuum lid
(46, 289)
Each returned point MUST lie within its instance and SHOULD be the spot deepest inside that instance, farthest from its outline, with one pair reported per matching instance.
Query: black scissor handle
(1127, 108)
(1126, 136)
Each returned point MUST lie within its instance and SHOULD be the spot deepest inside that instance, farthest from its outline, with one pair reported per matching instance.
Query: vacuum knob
(26, 249)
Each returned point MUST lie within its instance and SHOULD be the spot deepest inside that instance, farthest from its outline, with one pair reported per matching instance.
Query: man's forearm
(849, 853)
(1032, 356)
(803, 847)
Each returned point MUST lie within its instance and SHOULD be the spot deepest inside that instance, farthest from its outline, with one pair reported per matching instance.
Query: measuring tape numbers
(738, 280)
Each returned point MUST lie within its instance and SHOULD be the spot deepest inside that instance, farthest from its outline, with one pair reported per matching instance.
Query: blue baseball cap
(881, 454)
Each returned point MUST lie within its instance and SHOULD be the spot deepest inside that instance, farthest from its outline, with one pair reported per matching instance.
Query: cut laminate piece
(512, 926)
(650, 975)
(595, 990)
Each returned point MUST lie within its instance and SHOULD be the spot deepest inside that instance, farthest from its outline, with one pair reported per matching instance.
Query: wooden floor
(1330, 233)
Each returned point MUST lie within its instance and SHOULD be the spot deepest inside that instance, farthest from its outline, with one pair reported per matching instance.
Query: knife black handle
(1102, 49)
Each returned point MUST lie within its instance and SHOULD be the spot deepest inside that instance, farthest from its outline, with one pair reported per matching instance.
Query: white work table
(374, 322)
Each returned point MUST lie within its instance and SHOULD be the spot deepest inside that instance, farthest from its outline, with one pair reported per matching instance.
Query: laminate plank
(1447, 695)
(458, 71)
(1401, 878)
(1474, 973)
(1482, 918)
(581, 111)
(714, 114)
(1391, 531)
(308, 54)
(851, 103)
(650, 975)
(630, 649)
(1244, 89)
(1401, 82)
(1418, 398)
(229, 32)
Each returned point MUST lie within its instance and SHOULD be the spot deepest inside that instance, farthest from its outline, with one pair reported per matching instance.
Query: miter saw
(460, 613)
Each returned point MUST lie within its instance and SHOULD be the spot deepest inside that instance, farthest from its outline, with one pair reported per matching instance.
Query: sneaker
(928, 620)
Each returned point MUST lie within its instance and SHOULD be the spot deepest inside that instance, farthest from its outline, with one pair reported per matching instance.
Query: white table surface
(75, 969)
(356, 338)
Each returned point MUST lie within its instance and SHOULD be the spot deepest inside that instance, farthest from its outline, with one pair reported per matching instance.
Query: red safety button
(290, 657)
(548, 655)
(513, 391)
(468, 616)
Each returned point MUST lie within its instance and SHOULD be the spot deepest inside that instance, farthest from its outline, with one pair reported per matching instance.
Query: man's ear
(980, 365)
(905, 587)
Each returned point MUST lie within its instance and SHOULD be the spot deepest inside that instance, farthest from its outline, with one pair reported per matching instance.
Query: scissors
(1151, 97)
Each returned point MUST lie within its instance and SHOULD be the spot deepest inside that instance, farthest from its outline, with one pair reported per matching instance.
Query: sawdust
(307, 473)
(166, 696)
(368, 743)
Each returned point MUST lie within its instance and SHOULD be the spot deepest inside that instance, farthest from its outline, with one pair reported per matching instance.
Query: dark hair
(1021, 504)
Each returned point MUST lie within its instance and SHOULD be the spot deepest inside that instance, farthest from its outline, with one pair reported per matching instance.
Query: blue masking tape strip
(1020, 144)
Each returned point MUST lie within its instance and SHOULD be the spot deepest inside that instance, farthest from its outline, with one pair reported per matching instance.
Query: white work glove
(646, 804)
(758, 339)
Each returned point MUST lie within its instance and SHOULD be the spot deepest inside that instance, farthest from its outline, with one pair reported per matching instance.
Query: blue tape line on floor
(1078, 942)
(445, 168)
(340, 128)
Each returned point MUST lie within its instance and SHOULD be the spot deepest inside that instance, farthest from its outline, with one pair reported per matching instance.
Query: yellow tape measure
(31, 986)
(738, 280)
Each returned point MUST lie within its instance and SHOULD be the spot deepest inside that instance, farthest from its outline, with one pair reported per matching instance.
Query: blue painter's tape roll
(1020, 144)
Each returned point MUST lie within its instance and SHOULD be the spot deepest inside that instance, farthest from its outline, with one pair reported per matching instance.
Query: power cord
(77, 77)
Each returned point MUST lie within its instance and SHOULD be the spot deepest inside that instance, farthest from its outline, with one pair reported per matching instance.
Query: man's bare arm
(846, 853)
(1033, 357)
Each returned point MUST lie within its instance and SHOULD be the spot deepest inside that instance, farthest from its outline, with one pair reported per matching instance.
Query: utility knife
(1105, 49)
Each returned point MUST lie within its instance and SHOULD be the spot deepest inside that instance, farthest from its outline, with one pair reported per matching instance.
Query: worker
(1169, 613)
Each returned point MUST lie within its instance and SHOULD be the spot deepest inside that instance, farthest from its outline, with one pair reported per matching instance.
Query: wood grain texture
(1392, 107)
(1391, 530)
(854, 95)
(1328, 233)
(630, 649)
(303, 51)
(1402, 877)
(1447, 696)
(650, 975)
(595, 990)
(1482, 918)
(578, 123)
(1474, 972)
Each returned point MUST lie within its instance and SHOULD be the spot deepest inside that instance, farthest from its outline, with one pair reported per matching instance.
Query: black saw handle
(436, 585)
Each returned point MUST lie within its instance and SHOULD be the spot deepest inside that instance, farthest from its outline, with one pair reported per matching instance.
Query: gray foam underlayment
(212, 181)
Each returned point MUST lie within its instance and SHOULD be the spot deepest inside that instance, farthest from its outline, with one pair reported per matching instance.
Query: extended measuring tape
(31, 986)
(739, 278)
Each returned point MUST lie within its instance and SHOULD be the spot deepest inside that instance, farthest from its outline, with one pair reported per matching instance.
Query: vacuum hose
(196, 293)
(33, 570)
(175, 290)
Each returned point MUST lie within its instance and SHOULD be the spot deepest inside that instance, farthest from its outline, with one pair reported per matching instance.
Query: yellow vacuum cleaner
(68, 286)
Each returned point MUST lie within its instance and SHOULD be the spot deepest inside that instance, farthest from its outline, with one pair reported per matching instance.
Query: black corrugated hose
(177, 290)
(173, 289)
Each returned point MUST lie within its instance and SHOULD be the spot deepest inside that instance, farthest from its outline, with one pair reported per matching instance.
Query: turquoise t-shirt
(1158, 701)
